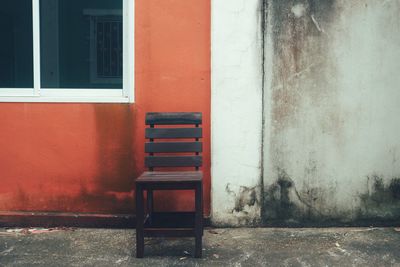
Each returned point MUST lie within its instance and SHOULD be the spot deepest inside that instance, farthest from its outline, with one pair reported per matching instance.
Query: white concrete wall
(332, 125)
(236, 109)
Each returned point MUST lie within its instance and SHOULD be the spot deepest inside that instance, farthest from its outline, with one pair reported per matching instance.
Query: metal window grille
(108, 38)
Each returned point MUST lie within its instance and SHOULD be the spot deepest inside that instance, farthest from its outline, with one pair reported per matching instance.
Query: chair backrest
(178, 135)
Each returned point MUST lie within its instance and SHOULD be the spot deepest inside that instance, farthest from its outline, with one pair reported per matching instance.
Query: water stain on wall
(381, 200)
(301, 46)
(277, 199)
(285, 204)
(114, 124)
(116, 170)
(303, 75)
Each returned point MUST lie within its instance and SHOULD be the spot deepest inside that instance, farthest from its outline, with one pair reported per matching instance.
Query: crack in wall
(264, 17)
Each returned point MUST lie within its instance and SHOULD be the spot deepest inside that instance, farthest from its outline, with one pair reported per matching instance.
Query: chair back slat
(173, 161)
(173, 118)
(173, 133)
(173, 147)
(178, 143)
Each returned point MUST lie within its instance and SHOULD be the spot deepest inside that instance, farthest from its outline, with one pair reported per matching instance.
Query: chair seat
(170, 177)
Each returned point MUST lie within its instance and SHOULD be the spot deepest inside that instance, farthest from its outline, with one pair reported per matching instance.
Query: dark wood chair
(178, 135)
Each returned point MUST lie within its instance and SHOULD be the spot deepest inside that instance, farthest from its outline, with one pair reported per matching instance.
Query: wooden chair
(175, 151)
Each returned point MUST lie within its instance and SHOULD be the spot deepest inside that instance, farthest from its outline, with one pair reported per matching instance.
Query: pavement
(221, 247)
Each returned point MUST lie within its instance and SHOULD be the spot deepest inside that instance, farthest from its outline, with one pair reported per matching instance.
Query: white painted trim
(38, 94)
(129, 49)
(16, 92)
(36, 46)
(57, 99)
(80, 92)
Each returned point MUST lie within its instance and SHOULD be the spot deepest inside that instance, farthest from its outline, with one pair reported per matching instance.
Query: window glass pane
(81, 43)
(16, 45)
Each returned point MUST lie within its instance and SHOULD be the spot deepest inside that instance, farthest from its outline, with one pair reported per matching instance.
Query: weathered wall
(236, 111)
(325, 77)
(85, 157)
(332, 97)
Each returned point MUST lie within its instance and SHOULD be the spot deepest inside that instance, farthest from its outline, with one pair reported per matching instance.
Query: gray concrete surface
(222, 247)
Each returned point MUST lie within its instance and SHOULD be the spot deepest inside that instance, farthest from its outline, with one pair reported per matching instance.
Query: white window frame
(85, 95)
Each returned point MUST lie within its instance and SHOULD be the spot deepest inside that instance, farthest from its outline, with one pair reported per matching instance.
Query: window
(67, 51)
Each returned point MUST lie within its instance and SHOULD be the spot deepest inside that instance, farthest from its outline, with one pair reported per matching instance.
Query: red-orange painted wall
(85, 157)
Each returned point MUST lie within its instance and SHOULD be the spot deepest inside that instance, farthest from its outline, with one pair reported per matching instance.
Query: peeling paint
(298, 10)
(244, 199)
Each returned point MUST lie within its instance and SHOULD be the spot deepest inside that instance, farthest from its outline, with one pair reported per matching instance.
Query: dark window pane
(16, 45)
(81, 43)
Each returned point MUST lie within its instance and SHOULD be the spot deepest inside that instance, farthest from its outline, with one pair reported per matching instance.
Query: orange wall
(85, 157)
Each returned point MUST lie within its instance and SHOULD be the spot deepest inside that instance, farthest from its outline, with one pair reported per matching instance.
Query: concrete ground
(222, 247)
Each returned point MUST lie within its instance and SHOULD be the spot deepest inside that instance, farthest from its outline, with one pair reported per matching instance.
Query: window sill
(71, 96)
(54, 99)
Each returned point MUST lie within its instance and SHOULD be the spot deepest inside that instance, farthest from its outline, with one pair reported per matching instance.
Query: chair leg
(139, 222)
(150, 205)
(198, 220)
